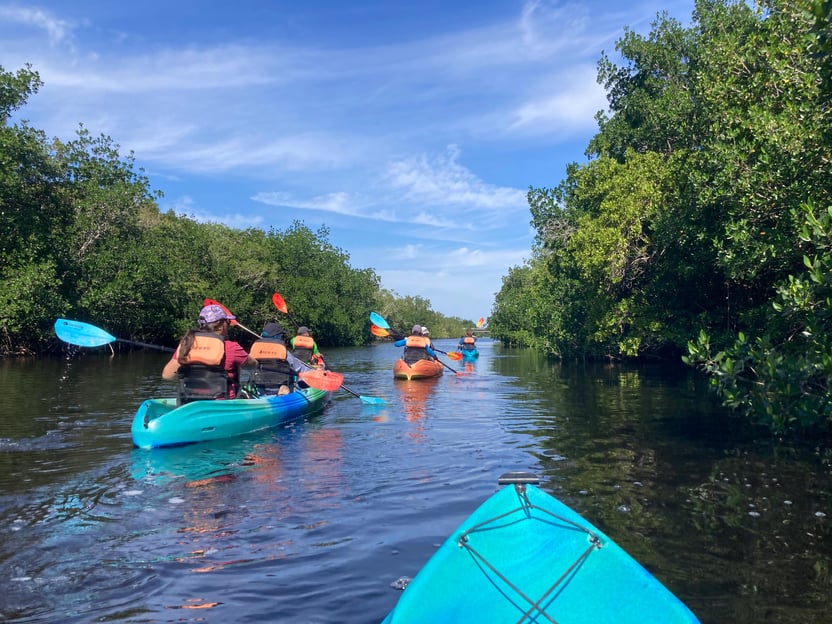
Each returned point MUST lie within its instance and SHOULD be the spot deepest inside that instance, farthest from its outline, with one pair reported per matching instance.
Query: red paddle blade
(375, 330)
(454, 355)
(279, 303)
(481, 322)
(325, 380)
(224, 309)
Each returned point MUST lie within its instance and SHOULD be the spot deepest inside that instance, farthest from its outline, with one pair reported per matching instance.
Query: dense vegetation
(700, 225)
(81, 236)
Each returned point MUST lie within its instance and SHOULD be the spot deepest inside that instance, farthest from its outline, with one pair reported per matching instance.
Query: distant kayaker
(416, 346)
(277, 368)
(468, 342)
(206, 362)
(305, 348)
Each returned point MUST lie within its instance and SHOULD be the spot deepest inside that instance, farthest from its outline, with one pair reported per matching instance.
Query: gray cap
(303, 329)
(417, 329)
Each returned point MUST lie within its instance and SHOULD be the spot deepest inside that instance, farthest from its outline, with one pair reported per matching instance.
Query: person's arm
(400, 343)
(431, 352)
(172, 367)
(296, 364)
(235, 353)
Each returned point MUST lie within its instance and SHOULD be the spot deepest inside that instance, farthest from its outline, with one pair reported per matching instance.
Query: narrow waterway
(314, 521)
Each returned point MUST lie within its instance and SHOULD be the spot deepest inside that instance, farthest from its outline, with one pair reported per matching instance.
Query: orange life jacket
(303, 342)
(272, 369)
(208, 348)
(268, 349)
(302, 346)
(414, 348)
(202, 375)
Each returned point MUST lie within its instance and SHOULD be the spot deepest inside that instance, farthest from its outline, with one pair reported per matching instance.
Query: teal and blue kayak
(525, 557)
(469, 355)
(159, 422)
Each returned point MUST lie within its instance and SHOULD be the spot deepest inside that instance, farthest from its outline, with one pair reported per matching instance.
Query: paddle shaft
(135, 343)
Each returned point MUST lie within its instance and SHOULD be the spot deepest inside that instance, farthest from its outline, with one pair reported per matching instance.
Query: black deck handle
(518, 476)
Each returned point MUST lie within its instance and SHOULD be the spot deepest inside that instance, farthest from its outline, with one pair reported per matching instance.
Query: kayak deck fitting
(523, 557)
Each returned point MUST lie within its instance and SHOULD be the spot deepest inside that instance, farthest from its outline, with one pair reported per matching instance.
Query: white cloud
(568, 109)
(58, 30)
(441, 180)
(186, 206)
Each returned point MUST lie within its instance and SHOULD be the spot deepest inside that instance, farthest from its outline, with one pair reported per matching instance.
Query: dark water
(313, 522)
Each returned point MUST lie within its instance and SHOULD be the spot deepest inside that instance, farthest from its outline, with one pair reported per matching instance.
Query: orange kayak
(420, 369)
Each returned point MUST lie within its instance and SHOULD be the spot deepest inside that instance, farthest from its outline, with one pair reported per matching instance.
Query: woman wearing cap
(305, 348)
(416, 346)
(206, 362)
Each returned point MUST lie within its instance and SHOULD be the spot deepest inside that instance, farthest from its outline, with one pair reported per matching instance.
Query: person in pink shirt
(206, 362)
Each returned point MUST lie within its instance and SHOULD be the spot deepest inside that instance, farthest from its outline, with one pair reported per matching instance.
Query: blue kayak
(469, 355)
(525, 557)
(160, 422)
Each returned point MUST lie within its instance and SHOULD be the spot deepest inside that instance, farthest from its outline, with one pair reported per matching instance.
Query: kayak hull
(420, 369)
(518, 555)
(160, 423)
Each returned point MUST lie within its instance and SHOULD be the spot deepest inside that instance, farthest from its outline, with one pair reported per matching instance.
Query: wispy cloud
(434, 191)
(441, 180)
(186, 207)
(58, 31)
(568, 109)
(436, 125)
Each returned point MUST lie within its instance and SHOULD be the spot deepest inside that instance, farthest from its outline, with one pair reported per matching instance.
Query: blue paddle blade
(372, 400)
(377, 319)
(82, 334)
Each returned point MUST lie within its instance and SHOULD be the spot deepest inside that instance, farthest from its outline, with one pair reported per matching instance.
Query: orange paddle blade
(279, 303)
(224, 309)
(375, 330)
(481, 322)
(328, 381)
(454, 355)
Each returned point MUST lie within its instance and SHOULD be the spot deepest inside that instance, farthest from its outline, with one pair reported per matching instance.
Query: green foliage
(30, 303)
(782, 378)
(15, 89)
(81, 235)
(684, 222)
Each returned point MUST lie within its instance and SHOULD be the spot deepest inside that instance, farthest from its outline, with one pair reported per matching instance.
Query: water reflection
(413, 398)
(263, 527)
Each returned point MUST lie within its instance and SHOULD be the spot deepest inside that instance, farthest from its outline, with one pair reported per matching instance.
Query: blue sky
(412, 130)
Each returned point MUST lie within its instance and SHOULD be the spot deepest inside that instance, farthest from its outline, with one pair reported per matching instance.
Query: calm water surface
(313, 522)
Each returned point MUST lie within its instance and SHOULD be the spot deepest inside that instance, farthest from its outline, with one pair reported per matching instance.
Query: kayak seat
(198, 382)
(271, 375)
